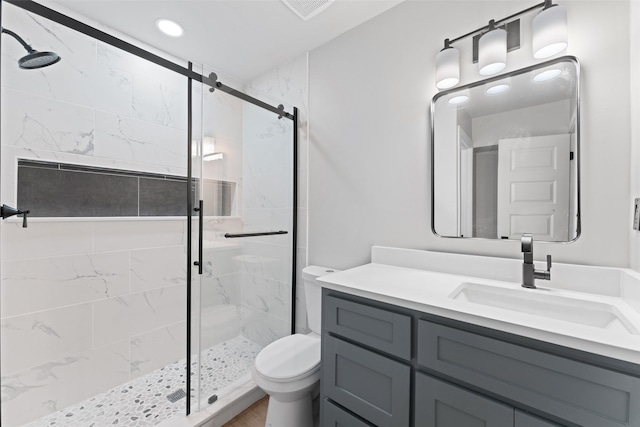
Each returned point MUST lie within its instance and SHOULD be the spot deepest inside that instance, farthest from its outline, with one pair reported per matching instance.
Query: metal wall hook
(8, 211)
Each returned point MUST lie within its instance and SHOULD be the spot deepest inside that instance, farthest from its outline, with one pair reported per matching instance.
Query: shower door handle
(200, 209)
(261, 233)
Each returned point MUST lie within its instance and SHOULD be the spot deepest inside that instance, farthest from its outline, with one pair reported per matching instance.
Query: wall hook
(8, 211)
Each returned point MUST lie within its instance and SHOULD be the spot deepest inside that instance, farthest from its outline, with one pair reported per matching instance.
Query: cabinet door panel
(337, 417)
(440, 404)
(583, 394)
(368, 384)
(525, 420)
(377, 328)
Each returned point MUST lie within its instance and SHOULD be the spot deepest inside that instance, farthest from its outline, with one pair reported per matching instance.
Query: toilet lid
(289, 358)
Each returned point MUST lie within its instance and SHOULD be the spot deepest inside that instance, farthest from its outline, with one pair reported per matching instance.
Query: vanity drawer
(523, 419)
(374, 327)
(370, 385)
(440, 404)
(583, 394)
(334, 416)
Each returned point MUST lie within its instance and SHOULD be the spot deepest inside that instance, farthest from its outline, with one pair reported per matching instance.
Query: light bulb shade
(459, 97)
(447, 68)
(492, 52)
(550, 33)
(548, 74)
(497, 87)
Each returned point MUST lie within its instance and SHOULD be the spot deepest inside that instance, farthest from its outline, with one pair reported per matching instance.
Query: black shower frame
(212, 81)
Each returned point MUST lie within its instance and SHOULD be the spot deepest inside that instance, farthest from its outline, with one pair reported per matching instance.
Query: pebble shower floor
(143, 402)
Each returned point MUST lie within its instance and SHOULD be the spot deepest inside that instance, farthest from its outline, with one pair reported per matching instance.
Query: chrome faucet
(529, 272)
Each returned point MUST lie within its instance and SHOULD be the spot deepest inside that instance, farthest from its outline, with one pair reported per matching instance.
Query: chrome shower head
(33, 59)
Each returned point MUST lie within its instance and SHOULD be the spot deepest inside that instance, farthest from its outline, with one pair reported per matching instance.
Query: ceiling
(240, 38)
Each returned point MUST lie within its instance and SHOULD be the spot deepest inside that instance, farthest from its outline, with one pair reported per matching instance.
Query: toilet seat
(289, 359)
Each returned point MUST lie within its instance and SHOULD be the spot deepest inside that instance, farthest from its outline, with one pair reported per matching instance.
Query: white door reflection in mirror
(533, 187)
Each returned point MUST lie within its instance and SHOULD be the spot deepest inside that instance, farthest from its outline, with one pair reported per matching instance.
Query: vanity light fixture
(459, 98)
(492, 42)
(209, 152)
(169, 27)
(447, 67)
(494, 90)
(213, 156)
(547, 75)
(500, 86)
(492, 50)
(550, 33)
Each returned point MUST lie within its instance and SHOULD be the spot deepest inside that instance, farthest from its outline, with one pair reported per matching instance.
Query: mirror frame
(578, 154)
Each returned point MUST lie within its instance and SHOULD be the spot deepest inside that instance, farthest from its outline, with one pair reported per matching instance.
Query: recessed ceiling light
(169, 27)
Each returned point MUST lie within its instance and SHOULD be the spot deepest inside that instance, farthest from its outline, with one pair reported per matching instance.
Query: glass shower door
(246, 187)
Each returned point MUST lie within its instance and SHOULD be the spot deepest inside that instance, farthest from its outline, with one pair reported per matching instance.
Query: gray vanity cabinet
(440, 404)
(522, 419)
(357, 369)
(383, 330)
(336, 417)
(389, 366)
(369, 384)
(581, 393)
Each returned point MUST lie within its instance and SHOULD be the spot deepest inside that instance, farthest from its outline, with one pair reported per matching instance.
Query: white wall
(553, 118)
(370, 91)
(634, 52)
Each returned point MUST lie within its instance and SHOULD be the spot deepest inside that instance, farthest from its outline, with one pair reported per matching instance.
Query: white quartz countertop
(429, 291)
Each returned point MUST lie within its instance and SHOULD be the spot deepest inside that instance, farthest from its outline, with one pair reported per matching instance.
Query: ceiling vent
(307, 9)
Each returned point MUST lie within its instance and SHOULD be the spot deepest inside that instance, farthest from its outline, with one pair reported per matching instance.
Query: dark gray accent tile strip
(163, 197)
(53, 189)
(56, 193)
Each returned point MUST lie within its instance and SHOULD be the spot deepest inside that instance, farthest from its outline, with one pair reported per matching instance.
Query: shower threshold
(144, 401)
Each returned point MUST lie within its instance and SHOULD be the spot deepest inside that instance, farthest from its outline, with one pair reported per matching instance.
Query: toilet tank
(313, 294)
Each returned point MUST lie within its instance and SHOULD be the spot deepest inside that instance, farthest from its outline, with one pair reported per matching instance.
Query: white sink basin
(542, 303)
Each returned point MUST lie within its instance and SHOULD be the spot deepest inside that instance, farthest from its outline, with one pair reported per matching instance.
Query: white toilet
(288, 369)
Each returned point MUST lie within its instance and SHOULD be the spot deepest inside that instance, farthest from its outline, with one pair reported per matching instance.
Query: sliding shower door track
(211, 80)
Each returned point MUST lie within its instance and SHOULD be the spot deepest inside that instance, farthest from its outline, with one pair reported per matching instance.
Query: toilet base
(298, 413)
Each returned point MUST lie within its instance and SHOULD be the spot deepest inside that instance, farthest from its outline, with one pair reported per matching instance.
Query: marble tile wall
(267, 200)
(86, 305)
(220, 294)
(86, 310)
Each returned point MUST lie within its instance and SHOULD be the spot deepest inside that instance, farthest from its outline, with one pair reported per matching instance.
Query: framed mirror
(505, 155)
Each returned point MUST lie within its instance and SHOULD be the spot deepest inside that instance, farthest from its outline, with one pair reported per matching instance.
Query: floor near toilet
(254, 416)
